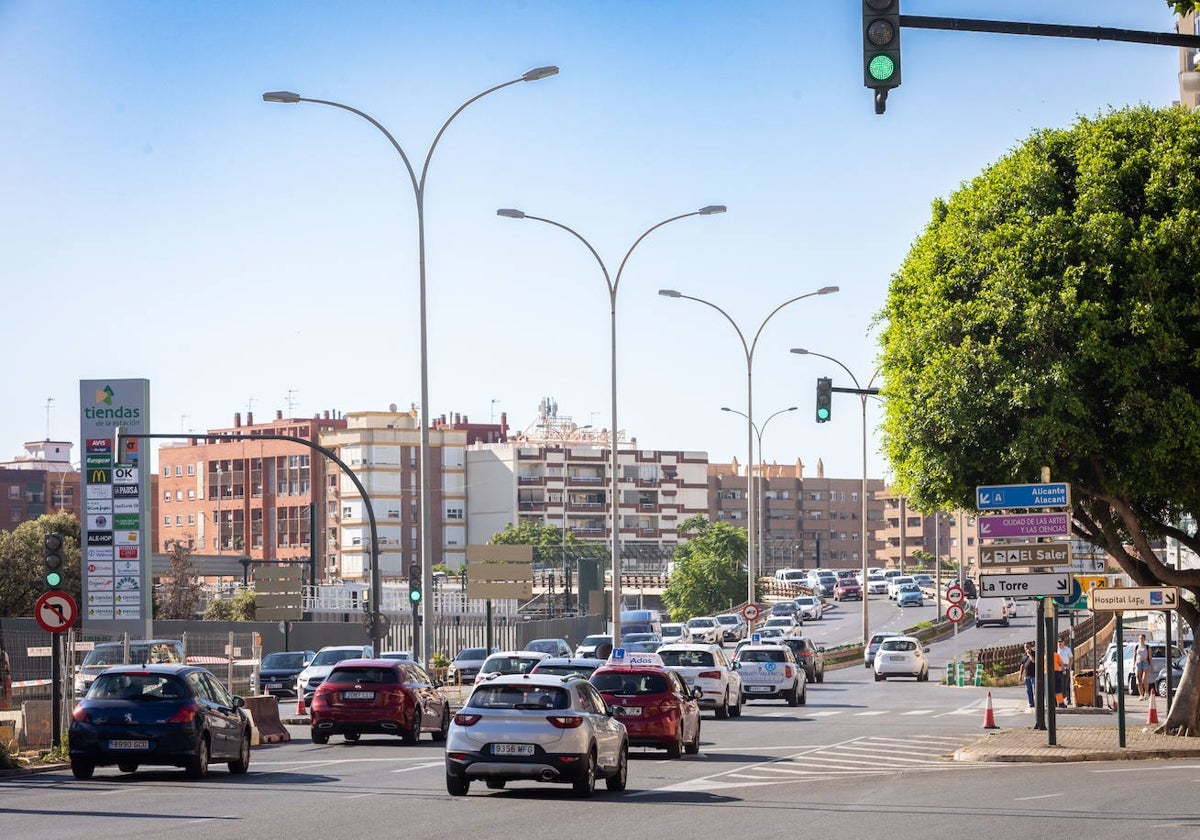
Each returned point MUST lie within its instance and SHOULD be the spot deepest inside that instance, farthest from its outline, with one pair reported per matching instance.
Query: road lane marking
(1041, 796)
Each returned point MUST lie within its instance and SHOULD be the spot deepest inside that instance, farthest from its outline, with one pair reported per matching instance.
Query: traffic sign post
(1025, 554)
(955, 595)
(1024, 585)
(55, 611)
(1006, 526)
(750, 613)
(955, 613)
(1007, 496)
(1136, 598)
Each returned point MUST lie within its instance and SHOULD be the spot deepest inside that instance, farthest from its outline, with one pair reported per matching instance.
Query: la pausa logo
(105, 410)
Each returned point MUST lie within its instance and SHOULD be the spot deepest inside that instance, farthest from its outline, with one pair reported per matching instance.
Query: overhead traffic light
(881, 48)
(824, 399)
(53, 560)
(414, 584)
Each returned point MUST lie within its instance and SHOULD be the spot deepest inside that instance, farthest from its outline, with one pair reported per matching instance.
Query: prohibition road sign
(750, 612)
(55, 611)
(955, 595)
(955, 613)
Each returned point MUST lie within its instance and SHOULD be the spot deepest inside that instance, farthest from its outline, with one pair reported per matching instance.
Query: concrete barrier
(265, 725)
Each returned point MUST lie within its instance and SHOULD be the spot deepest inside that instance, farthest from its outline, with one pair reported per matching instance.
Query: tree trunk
(1183, 717)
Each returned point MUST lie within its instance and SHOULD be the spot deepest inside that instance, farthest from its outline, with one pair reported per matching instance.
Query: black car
(808, 656)
(177, 715)
(278, 672)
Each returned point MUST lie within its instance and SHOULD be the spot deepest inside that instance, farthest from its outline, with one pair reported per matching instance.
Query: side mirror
(238, 702)
(697, 693)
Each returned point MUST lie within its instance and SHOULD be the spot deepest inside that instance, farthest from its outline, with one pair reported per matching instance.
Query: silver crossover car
(536, 728)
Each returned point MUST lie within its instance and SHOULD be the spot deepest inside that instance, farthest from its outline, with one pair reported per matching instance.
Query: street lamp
(613, 284)
(749, 351)
(418, 185)
(758, 432)
(863, 393)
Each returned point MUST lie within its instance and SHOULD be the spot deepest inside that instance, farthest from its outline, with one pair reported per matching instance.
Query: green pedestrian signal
(881, 48)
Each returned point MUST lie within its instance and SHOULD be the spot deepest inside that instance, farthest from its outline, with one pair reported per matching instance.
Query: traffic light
(824, 399)
(881, 48)
(414, 584)
(53, 560)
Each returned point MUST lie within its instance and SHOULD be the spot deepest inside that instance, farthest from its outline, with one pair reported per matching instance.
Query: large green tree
(22, 568)
(708, 576)
(532, 533)
(1048, 316)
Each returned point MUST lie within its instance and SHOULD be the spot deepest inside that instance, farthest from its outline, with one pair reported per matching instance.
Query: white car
(784, 622)
(676, 633)
(902, 656)
(769, 635)
(771, 672)
(734, 625)
(895, 583)
(708, 668)
(705, 630)
(316, 672)
(876, 584)
(809, 607)
(508, 662)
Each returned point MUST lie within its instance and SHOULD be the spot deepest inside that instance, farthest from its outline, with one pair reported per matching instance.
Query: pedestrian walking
(1066, 655)
(1143, 661)
(1029, 671)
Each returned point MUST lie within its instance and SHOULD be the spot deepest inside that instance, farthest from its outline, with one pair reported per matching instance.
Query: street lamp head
(281, 96)
(726, 408)
(711, 210)
(510, 213)
(539, 73)
(670, 293)
(792, 408)
(800, 350)
(827, 290)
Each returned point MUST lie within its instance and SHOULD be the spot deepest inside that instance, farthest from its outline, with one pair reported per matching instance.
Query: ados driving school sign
(116, 500)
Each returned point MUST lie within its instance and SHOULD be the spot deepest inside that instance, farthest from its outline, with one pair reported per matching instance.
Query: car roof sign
(634, 658)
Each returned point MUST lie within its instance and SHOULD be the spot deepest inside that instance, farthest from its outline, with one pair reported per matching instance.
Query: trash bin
(1084, 686)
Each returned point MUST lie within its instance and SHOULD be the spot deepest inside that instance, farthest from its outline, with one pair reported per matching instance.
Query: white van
(797, 576)
(991, 611)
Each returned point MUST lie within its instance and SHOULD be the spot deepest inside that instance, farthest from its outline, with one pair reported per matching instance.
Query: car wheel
(81, 769)
(878, 676)
(821, 676)
(413, 733)
(804, 694)
(793, 695)
(1161, 688)
(674, 750)
(585, 785)
(352, 736)
(723, 709)
(242, 763)
(617, 781)
(457, 785)
(127, 767)
(319, 737)
(495, 784)
(197, 766)
(444, 729)
(694, 746)
(736, 709)
(1107, 685)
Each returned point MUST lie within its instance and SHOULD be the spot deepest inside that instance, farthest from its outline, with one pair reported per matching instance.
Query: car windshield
(508, 665)
(672, 630)
(283, 660)
(700, 622)
(363, 674)
(565, 670)
(686, 658)
(333, 657)
(104, 655)
(630, 685)
(899, 644)
(727, 619)
(471, 653)
(520, 697)
(140, 687)
(806, 601)
(762, 656)
(909, 587)
(544, 646)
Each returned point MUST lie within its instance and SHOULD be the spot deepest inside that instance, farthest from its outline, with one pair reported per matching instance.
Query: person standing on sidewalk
(1142, 661)
(1029, 671)
(1067, 656)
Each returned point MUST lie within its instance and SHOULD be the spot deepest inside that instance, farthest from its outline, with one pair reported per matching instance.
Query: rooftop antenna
(182, 420)
(493, 420)
(48, 406)
(249, 406)
(291, 402)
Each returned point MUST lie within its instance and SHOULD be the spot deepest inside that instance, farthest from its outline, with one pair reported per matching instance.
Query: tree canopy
(708, 576)
(532, 533)
(21, 559)
(1048, 316)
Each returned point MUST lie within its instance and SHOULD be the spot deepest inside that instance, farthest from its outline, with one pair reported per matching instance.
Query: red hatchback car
(381, 696)
(654, 703)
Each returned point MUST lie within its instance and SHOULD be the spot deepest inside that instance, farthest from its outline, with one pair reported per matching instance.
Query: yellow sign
(1087, 582)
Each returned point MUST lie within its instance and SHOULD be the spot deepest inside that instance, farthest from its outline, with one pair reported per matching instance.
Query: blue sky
(160, 220)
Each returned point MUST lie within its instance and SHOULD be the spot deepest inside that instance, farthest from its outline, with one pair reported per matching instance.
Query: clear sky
(160, 220)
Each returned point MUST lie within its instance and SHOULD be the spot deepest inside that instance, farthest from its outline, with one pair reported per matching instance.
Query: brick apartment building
(42, 480)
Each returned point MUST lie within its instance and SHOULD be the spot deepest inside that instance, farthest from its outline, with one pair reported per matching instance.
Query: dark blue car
(278, 672)
(175, 715)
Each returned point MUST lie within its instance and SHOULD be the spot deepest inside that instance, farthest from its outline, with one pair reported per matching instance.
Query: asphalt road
(861, 759)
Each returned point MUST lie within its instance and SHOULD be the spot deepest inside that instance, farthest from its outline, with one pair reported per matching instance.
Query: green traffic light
(881, 68)
(822, 413)
(414, 595)
(53, 579)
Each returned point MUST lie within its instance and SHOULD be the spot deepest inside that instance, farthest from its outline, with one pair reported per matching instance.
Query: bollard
(978, 674)
(961, 678)
(949, 673)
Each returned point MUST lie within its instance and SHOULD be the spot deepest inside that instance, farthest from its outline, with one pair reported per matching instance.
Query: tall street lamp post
(758, 433)
(863, 393)
(613, 284)
(748, 349)
(418, 185)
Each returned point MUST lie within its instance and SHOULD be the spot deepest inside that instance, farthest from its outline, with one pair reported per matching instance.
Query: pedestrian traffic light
(824, 399)
(881, 48)
(414, 584)
(53, 560)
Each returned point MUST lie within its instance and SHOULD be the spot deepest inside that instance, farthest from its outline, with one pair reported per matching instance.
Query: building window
(191, 495)
(191, 469)
(454, 512)
(166, 495)
(178, 470)
(179, 495)
(179, 519)
(191, 519)
(166, 522)
(15, 515)
(166, 472)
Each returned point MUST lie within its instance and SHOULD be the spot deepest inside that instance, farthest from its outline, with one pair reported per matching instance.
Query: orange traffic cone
(300, 710)
(1152, 715)
(989, 717)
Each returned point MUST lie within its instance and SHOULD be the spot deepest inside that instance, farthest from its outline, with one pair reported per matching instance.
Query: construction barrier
(265, 725)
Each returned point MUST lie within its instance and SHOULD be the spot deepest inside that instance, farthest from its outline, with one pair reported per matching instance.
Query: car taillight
(565, 721)
(787, 672)
(464, 719)
(80, 715)
(709, 675)
(806, 653)
(186, 714)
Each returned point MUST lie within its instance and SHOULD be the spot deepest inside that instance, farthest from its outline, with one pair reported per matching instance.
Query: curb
(1070, 755)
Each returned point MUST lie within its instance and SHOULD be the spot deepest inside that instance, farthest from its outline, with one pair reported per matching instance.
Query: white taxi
(708, 668)
(771, 672)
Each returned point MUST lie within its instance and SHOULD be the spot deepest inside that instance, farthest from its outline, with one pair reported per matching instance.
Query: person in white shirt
(1065, 655)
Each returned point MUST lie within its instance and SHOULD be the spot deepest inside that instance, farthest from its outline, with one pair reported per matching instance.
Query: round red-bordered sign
(955, 613)
(750, 612)
(55, 611)
(955, 594)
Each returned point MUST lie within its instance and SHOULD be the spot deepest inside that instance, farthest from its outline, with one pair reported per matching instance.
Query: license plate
(272, 685)
(129, 745)
(629, 711)
(358, 695)
(760, 688)
(895, 659)
(512, 749)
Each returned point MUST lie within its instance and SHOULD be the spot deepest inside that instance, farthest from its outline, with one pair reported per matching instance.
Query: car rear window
(363, 674)
(762, 656)
(519, 697)
(630, 685)
(142, 687)
(508, 665)
(900, 644)
(686, 658)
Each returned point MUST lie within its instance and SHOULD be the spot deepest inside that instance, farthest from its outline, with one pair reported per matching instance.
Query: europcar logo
(104, 397)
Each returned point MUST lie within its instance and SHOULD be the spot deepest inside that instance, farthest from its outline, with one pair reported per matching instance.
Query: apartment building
(950, 535)
(41, 480)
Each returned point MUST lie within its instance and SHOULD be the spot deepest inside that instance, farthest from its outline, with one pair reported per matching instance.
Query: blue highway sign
(1004, 496)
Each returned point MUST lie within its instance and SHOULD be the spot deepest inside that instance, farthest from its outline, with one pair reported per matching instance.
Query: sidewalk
(1078, 743)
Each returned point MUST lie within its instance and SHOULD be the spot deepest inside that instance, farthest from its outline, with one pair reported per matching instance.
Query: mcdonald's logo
(99, 476)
